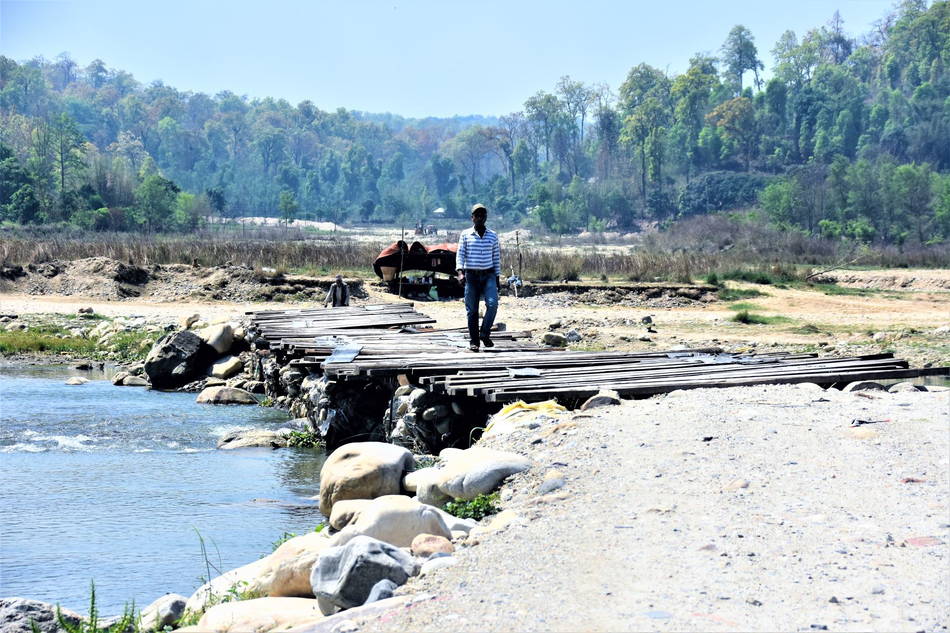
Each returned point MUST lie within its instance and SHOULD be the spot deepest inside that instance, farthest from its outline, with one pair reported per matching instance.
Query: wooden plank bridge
(382, 342)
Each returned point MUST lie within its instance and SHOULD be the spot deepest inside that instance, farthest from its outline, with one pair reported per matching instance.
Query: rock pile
(377, 538)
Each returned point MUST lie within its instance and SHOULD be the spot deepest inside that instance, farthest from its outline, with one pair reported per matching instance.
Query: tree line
(848, 138)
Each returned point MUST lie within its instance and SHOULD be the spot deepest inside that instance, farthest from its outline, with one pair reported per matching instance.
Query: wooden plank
(648, 390)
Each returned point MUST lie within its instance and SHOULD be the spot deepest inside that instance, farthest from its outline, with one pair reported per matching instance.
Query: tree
(288, 206)
(739, 55)
(541, 111)
(155, 201)
(914, 188)
(737, 119)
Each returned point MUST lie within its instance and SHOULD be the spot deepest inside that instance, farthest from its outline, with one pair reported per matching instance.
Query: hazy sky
(415, 58)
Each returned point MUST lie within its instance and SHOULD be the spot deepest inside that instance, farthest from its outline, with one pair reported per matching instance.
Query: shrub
(478, 508)
(305, 439)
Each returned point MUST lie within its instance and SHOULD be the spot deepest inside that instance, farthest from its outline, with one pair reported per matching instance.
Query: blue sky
(413, 58)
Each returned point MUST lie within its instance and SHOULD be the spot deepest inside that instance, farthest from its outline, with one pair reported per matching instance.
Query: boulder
(227, 367)
(347, 512)
(905, 387)
(344, 576)
(285, 572)
(395, 519)
(134, 381)
(864, 385)
(259, 615)
(363, 470)
(554, 339)
(573, 336)
(177, 359)
(163, 612)
(477, 470)
(224, 395)
(186, 322)
(77, 380)
(220, 337)
(425, 483)
(603, 398)
(382, 590)
(425, 545)
(254, 386)
(253, 438)
(439, 562)
(17, 613)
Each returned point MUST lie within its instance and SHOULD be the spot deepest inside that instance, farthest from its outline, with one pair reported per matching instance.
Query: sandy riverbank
(756, 508)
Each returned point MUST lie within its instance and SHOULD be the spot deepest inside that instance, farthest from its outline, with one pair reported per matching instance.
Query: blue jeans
(478, 284)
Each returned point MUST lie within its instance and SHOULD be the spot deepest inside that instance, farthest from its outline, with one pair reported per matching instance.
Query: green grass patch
(808, 328)
(775, 276)
(478, 508)
(133, 345)
(752, 318)
(744, 305)
(835, 289)
(44, 339)
(736, 294)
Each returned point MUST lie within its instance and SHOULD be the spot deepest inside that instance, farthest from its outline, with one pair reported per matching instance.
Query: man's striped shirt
(480, 252)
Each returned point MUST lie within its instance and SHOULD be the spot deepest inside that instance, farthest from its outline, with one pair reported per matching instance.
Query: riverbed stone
(17, 613)
(425, 545)
(436, 412)
(283, 573)
(252, 438)
(163, 612)
(119, 377)
(381, 591)
(905, 387)
(346, 512)
(363, 470)
(134, 381)
(603, 398)
(396, 519)
(260, 615)
(227, 367)
(425, 483)
(224, 395)
(864, 385)
(77, 380)
(220, 337)
(344, 576)
(187, 321)
(554, 339)
(477, 470)
(177, 359)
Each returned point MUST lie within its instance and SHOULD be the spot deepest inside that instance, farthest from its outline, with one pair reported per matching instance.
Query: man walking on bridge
(479, 267)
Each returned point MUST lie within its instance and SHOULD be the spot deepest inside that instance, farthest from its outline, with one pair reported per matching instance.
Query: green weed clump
(128, 346)
(127, 622)
(305, 439)
(478, 508)
(751, 318)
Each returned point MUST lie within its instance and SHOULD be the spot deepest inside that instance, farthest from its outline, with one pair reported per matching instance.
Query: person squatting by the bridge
(339, 294)
(479, 266)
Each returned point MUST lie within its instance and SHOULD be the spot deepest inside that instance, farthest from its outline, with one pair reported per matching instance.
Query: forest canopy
(827, 133)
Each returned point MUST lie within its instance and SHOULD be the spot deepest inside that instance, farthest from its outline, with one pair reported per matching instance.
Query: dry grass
(709, 245)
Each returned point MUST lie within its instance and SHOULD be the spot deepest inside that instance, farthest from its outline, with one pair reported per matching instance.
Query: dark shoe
(473, 346)
(486, 341)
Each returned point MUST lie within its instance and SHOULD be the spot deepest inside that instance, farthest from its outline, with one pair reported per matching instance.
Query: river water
(115, 484)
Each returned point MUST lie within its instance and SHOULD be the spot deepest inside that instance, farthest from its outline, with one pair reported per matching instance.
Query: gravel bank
(753, 508)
